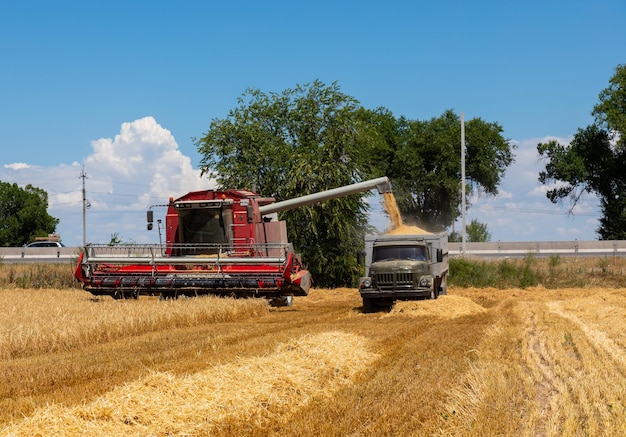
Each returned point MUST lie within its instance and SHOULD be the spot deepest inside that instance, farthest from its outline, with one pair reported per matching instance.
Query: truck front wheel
(434, 293)
(369, 305)
(372, 305)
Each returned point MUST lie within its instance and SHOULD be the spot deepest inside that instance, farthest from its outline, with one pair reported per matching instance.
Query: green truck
(403, 267)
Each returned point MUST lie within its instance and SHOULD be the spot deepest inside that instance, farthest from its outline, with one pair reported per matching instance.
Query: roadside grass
(530, 271)
(38, 275)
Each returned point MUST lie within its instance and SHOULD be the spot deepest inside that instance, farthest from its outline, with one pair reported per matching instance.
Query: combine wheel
(281, 301)
(168, 295)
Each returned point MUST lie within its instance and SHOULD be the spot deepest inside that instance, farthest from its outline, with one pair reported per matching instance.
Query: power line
(542, 211)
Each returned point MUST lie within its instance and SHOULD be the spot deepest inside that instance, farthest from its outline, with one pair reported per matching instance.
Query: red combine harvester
(217, 242)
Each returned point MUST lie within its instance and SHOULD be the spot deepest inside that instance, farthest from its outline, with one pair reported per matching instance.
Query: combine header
(217, 242)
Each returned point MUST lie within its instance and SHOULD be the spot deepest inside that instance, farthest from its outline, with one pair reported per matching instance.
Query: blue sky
(122, 87)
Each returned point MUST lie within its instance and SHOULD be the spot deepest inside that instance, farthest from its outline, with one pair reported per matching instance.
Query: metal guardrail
(495, 249)
(38, 254)
(501, 249)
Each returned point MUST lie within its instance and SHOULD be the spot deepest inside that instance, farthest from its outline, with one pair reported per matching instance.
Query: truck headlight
(365, 282)
(426, 281)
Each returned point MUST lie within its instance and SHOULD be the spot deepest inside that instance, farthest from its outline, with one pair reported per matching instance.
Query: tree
(23, 214)
(594, 161)
(290, 144)
(117, 240)
(423, 159)
(475, 232)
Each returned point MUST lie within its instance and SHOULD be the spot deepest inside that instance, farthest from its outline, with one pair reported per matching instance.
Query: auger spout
(382, 184)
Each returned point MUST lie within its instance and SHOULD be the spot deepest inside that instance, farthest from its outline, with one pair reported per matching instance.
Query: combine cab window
(388, 253)
(204, 226)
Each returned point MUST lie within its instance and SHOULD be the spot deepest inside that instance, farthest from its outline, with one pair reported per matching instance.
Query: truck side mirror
(150, 218)
(360, 257)
(439, 255)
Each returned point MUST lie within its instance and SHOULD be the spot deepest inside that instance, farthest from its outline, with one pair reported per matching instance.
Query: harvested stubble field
(476, 362)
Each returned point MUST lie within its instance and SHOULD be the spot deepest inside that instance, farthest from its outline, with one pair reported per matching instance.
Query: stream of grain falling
(397, 226)
(392, 209)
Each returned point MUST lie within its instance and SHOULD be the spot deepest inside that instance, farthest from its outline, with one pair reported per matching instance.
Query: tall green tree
(23, 214)
(594, 161)
(475, 232)
(423, 159)
(290, 144)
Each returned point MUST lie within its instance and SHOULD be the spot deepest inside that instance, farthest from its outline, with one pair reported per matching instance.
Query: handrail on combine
(154, 254)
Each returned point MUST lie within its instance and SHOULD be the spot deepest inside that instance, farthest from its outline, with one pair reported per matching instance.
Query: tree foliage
(423, 159)
(23, 214)
(594, 161)
(290, 144)
(314, 137)
(475, 232)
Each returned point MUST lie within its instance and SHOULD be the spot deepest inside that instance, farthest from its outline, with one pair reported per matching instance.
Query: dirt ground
(530, 362)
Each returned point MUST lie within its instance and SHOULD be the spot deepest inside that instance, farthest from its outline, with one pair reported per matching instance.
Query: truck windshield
(387, 253)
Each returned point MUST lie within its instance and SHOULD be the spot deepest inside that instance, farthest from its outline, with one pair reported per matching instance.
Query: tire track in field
(576, 371)
(599, 390)
(613, 350)
(541, 367)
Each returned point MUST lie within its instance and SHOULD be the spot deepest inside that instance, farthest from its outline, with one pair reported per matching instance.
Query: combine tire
(168, 295)
(124, 294)
(281, 301)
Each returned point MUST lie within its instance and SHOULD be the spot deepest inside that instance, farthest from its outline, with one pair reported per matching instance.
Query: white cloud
(145, 155)
(522, 212)
(17, 166)
(139, 167)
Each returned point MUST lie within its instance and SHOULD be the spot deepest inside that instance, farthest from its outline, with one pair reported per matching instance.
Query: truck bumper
(369, 293)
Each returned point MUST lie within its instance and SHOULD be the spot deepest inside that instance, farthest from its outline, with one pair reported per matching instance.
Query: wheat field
(476, 362)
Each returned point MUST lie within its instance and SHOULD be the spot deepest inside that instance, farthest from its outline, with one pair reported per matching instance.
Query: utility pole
(462, 183)
(83, 176)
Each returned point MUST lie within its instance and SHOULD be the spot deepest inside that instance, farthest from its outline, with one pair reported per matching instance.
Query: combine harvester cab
(216, 242)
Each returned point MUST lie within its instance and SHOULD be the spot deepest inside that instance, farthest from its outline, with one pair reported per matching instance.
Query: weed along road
(521, 362)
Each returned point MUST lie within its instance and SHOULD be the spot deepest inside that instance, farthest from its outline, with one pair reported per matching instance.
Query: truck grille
(394, 280)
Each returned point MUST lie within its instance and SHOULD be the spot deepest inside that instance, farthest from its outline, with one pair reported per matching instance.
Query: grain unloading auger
(216, 242)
